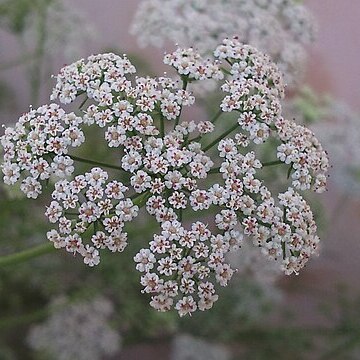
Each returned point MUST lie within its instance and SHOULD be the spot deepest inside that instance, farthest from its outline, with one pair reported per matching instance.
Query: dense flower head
(189, 62)
(36, 148)
(255, 89)
(90, 200)
(304, 152)
(181, 266)
(284, 229)
(86, 77)
(280, 28)
(205, 200)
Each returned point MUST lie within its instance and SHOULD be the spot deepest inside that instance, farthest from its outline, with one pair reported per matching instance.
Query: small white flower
(91, 256)
(126, 210)
(62, 166)
(145, 260)
(31, 187)
(186, 306)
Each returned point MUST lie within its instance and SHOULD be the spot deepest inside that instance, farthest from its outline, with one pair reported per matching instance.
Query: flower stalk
(26, 255)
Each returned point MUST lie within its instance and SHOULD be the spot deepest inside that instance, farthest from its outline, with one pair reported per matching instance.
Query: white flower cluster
(285, 233)
(280, 28)
(90, 200)
(36, 147)
(304, 152)
(172, 173)
(179, 263)
(189, 62)
(77, 331)
(255, 88)
(86, 77)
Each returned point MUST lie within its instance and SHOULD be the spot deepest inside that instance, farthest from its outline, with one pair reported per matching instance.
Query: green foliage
(14, 15)
(311, 106)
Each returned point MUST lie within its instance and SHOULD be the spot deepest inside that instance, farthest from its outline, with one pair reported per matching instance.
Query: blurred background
(54, 307)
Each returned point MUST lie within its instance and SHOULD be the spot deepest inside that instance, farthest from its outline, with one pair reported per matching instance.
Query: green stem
(194, 139)
(162, 126)
(220, 137)
(180, 215)
(214, 170)
(229, 62)
(140, 199)
(92, 162)
(289, 171)
(48, 247)
(225, 71)
(185, 83)
(84, 102)
(271, 163)
(36, 70)
(216, 117)
(26, 254)
(71, 213)
(213, 120)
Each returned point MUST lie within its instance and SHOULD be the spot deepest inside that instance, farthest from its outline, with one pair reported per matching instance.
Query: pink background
(333, 62)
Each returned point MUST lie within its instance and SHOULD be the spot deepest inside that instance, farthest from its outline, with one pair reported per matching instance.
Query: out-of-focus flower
(248, 263)
(340, 132)
(280, 28)
(186, 347)
(255, 281)
(66, 30)
(77, 331)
